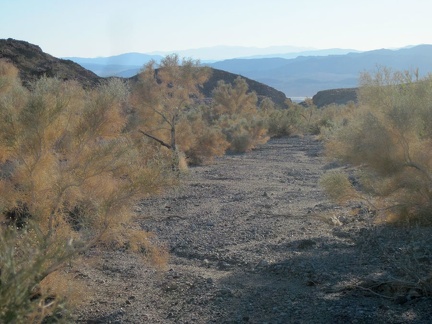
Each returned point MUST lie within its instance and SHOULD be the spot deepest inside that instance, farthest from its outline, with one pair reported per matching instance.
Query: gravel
(253, 239)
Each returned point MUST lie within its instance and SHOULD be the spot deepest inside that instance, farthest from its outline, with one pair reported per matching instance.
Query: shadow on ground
(372, 276)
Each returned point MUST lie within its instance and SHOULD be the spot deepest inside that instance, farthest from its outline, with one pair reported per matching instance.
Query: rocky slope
(33, 63)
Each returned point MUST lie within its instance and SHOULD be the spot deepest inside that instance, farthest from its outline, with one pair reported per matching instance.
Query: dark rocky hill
(262, 90)
(33, 63)
(335, 96)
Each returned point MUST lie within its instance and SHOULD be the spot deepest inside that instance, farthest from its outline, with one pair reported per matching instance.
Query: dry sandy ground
(253, 239)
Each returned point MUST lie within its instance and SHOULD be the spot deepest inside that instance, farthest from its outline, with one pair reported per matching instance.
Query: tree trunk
(176, 157)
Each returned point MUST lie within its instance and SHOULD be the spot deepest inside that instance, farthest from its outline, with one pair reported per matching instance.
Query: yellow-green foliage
(70, 173)
(338, 187)
(389, 137)
(286, 122)
(235, 111)
(298, 119)
(234, 99)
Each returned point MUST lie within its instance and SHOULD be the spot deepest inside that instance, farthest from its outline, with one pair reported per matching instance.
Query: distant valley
(297, 74)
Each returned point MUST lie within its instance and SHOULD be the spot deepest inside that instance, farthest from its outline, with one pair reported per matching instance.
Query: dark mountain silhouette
(33, 63)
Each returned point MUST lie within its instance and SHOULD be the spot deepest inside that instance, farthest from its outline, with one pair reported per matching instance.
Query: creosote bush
(70, 173)
(389, 137)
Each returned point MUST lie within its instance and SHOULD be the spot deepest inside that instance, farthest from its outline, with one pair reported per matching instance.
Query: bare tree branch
(156, 139)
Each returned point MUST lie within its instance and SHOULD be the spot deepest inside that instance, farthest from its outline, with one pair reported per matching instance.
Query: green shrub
(235, 111)
(244, 133)
(283, 122)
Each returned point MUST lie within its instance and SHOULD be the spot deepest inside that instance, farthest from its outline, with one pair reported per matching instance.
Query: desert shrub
(333, 117)
(298, 119)
(389, 138)
(234, 99)
(285, 122)
(243, 133)
(235, 111)
(161, 97)
(8, 76)
(70, 173)
(200, 141)
(30, 291)
(338, 187)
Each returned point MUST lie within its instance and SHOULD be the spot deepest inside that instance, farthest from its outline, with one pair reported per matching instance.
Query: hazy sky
(90, 28)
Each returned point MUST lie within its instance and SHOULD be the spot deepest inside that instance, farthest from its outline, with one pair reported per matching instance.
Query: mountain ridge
(33, 63)
(127, 64)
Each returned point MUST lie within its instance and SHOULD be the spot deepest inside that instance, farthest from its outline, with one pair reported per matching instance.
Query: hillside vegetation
(33, 63)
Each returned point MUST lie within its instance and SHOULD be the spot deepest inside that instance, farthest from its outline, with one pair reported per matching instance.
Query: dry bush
(26, 259)
(200, 141)
(234, 99)
(8, 76)
(338, 187)
(244, 133)
(70, 173)
(162, 96)
(285, 122)
(306, 120)
(235, 111)
(389, 137)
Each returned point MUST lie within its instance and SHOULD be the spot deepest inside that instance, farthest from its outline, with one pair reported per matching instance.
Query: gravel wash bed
(253, 239)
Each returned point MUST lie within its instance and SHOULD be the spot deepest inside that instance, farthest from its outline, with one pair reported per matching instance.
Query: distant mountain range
(123, 65)
(128, 64)
(306, 75)
(297, 74)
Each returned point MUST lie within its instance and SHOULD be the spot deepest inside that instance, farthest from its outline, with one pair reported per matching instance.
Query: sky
(94, 28)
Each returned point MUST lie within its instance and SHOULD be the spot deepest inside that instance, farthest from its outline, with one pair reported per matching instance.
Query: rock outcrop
(335, 96)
